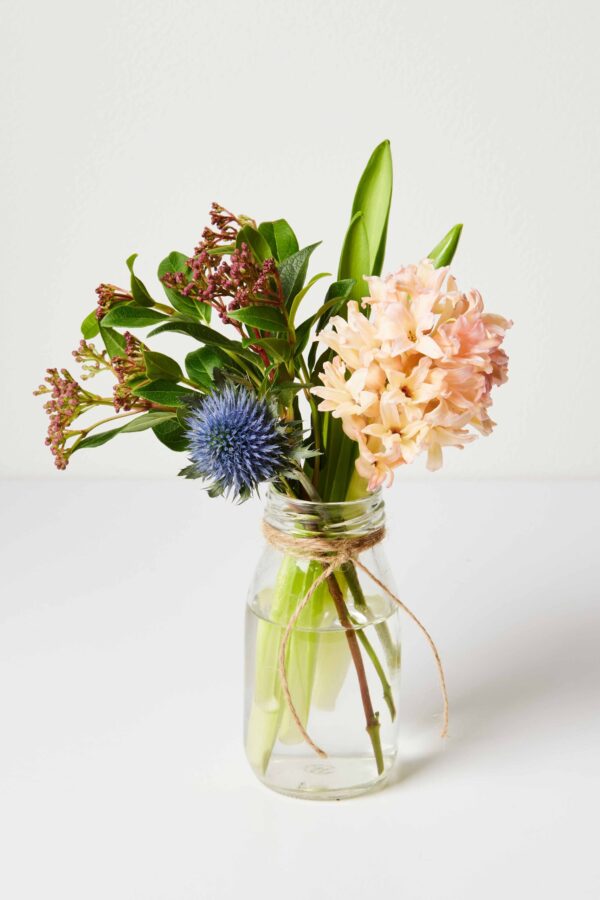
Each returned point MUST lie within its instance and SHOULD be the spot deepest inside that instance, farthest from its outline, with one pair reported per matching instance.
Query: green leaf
(256, 241)
(302, 336)
(302, 293)
(178, 262)
(292, 271)
(147, 420)
(172, 434)
(207, 336)
(167, 393)
(282, 240)
(286, 391)
(276, 348)
(90, 325)
(355, 259)
(159, 365)
(373, 198)
(96, 440)
(267, 318)
(339, 291)
(201, 363)
(140, 423)
(141, 297)
(443, 253)
(113, 341)
(127, 315)
(341, 472)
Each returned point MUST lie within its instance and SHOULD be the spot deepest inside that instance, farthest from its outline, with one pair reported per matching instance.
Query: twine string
(332, 553)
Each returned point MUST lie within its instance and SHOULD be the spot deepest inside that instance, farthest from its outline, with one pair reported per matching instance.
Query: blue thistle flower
(237, 441)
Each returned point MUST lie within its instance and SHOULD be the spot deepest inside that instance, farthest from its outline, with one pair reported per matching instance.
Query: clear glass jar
(342, 661)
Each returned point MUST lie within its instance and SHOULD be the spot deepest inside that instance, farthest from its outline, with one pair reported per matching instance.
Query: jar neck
(352, 518)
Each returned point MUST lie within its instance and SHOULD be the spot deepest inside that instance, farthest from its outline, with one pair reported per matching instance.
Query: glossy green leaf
(355, 259)
(373, 198)
(145, 421)
(113, 341)
(90, 325)
(281, 238)
(141, 297)
(266, 318)
(127, 315)
(96, 440)
(167, 393)
(204, 334)
(443, 253)
(292, 271)
(276, 348)
(178, 262)
(140, 423)
(159, 365)
(256, 241)
(201, 363)
(302, 336)
(286, 391)
(172, 434)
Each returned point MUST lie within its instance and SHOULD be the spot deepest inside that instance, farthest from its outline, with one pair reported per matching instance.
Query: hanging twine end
(444, 731)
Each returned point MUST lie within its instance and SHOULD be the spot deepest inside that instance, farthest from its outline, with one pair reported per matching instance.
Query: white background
(122, 770)
(123, 120)
(121, 766)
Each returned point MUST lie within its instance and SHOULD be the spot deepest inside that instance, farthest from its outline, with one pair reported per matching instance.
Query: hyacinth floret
(237, 442)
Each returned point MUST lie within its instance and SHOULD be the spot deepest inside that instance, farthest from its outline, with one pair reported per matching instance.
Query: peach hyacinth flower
(416, 376)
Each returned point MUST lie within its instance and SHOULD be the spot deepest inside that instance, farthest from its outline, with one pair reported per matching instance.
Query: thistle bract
(237, 442)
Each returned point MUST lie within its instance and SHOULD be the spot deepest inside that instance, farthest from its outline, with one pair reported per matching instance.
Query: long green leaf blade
(302, 293)
(443, 253)
(355, 258)
(373, 198)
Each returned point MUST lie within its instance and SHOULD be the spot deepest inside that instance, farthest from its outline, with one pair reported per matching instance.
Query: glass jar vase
(341, 658)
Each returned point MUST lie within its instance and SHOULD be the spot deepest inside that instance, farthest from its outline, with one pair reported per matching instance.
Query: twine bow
(332, 553)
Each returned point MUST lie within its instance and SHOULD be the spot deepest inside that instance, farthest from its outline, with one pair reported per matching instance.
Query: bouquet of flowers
(321, 405)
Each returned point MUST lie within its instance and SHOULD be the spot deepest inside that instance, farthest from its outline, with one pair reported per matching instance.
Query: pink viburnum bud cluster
(67, 400)
(225, 283)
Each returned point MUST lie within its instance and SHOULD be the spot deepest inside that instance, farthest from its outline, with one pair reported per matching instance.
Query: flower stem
(381, 628)
(386, 686)
(315, 420)
(371, 717)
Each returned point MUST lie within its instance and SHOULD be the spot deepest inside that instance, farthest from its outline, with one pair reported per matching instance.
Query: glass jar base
(334, 778)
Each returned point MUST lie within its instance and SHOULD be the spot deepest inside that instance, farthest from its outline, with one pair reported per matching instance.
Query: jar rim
(276, 495)
(329, 519)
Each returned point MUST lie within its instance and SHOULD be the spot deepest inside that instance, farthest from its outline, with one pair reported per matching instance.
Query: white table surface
(122, 774)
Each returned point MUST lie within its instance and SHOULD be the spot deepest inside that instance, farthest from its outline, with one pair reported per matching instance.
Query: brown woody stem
(371, 717)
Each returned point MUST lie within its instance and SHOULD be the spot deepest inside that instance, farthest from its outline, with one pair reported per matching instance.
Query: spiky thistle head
(237, 442)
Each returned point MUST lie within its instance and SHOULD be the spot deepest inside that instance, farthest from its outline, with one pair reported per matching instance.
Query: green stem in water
(387, 689)
(381, 628)
(371, 717)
